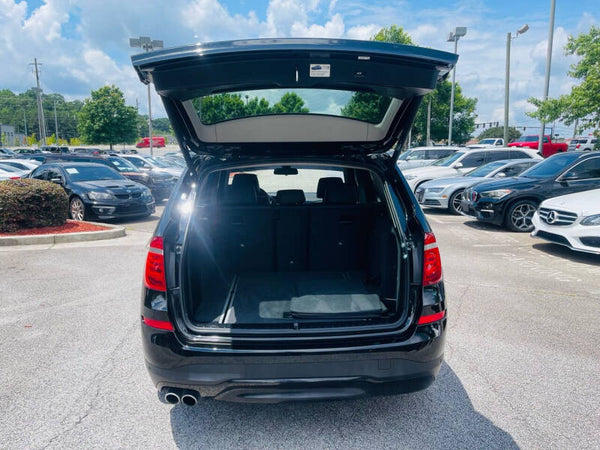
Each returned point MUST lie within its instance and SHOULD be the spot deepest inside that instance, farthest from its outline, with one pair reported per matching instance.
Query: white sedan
(572, 220)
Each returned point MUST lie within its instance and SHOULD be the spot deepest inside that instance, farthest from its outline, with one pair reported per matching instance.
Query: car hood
(584, 203)
(507, 183)
(456, 182)
(399, 72)
(431, 171)
(113, 186)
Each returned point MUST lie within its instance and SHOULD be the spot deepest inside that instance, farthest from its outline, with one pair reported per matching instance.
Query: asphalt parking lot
(521, 370)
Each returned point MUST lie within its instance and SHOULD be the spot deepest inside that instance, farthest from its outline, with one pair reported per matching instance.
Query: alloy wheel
(521, 216)
(77, 209)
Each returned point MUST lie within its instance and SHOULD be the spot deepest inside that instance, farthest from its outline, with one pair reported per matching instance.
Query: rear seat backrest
(336, 228)
(291, 230)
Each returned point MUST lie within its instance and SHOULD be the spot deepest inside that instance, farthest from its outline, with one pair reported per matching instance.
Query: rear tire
(454, 206)
(519, 215)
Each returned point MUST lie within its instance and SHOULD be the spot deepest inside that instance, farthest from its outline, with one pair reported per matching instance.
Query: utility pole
(454, 36)
(55, 124)
(41, 119)
(147, 44)
(428, 139)
(25, 121)
(575, 128)
(548, 64)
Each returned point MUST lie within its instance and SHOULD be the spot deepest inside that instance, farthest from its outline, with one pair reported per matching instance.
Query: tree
(496, 132)
(105, 119)
(219, 107)
(371, 107)
(393, 34)
(289, 103)
(583, 102)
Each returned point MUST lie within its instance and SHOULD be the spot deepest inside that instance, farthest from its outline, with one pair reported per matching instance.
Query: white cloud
(83, 44)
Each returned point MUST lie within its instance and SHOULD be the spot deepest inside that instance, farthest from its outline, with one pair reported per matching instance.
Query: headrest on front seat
(245, 179)
(341, 194)
(325, 183)
(290, 197)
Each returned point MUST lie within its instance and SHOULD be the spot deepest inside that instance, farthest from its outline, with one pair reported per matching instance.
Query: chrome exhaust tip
(189, 399)
(172, 397)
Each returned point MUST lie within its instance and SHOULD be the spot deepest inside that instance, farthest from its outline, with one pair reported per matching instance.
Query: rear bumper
(275, 378)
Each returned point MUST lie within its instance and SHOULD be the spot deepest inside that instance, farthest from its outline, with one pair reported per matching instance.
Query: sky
(84, 44)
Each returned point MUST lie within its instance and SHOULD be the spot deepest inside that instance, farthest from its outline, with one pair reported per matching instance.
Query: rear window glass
(306, 180)
(364, 106)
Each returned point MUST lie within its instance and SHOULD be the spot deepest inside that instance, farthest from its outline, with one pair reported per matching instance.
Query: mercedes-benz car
(572, 220)
(511, 202)
(292, 261)
(446, 193)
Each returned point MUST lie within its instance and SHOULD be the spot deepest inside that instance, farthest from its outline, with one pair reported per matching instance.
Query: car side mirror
(500, 175)
(458, 165)
(57, 180)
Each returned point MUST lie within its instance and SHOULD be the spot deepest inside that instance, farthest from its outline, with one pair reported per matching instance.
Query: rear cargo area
(284, 260)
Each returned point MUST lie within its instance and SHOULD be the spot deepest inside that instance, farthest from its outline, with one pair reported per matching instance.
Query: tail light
(154, 277)
(578, 145)
(432, 262)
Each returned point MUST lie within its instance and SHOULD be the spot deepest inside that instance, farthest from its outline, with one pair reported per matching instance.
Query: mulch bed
(72, 226)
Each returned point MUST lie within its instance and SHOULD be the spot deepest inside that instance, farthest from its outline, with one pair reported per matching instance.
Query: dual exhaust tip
(173, 396)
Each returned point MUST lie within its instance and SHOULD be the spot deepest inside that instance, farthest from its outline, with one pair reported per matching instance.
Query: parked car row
(557, 199)
(101, 185)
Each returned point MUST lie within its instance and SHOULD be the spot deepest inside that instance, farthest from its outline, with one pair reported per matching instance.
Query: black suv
(292, 261)
(513, 201)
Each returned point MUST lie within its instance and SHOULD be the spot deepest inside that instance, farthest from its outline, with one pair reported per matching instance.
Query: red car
(549, 148)
(157, 141)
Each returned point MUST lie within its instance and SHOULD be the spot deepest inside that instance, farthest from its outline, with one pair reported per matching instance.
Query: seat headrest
(290, 197)
(325, 183)
(341, 194)
(240, 194)
(245, 179)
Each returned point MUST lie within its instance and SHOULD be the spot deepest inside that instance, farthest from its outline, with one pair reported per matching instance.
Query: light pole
(509, 38)
(454, 36)
(147, 44)
(548, 64)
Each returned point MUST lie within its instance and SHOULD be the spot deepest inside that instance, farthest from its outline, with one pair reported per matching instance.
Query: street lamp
(509, 38)
(147, 44)
(454, 36)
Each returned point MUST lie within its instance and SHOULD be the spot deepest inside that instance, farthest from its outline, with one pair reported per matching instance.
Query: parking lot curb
(114, 231)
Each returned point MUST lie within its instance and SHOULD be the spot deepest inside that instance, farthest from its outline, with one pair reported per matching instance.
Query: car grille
(552, 237)
(131, 209)
(557, 217)
(590, 241)
(128, 196)
(470, 195)
(432, 202)
(419, 194)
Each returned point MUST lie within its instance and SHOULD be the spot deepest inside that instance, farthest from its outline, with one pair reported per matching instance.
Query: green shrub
(29, 203)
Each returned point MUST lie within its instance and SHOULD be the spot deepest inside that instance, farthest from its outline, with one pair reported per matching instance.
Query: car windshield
(487, 141)
(227, 106)
(156, 162)
(527, 139)
(551, 166)
(8, 168)
(485, 170)
(448, 160)
(91, 173)
(122, 165)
